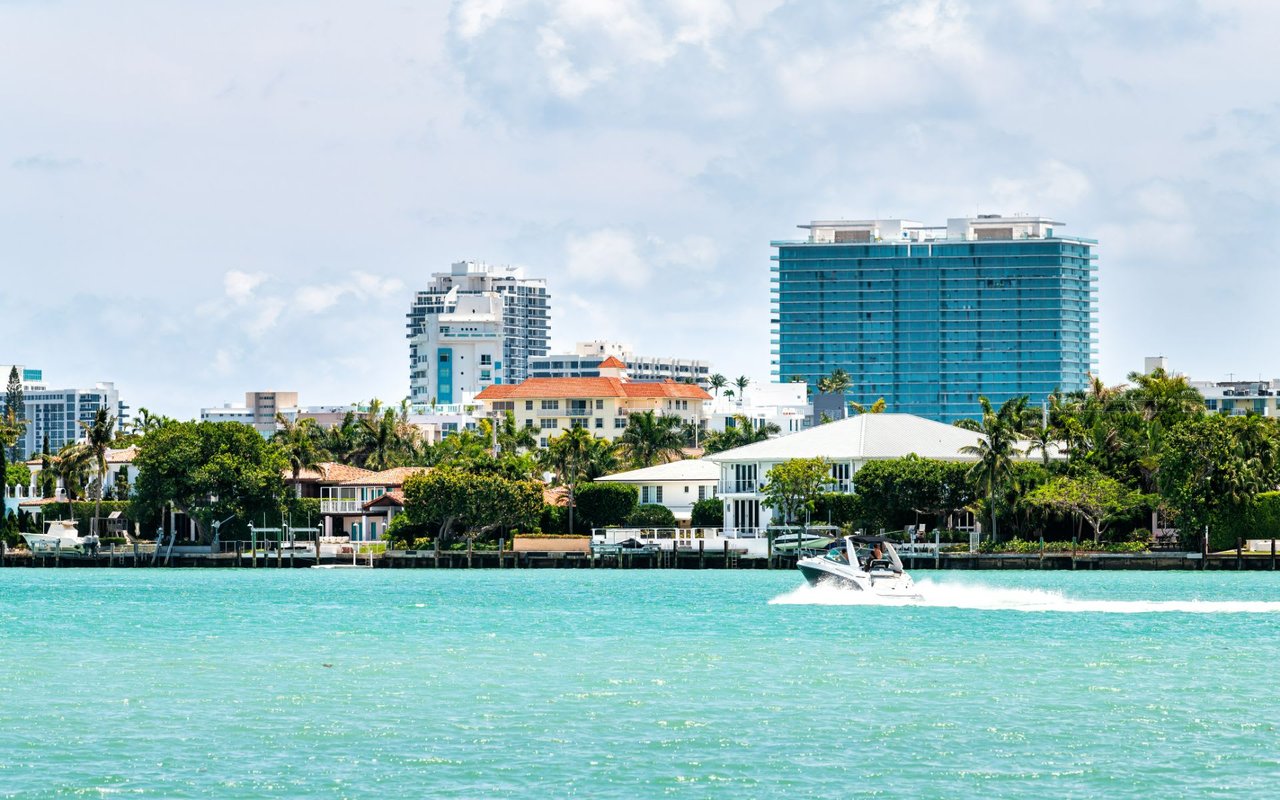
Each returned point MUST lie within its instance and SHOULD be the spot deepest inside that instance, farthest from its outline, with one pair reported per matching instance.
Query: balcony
(341, 506)
(740, 487)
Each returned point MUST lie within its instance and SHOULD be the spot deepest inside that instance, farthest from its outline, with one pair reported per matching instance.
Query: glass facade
(930, 326)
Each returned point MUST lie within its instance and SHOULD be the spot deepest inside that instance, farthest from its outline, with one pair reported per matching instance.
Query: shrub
(652, 516)
(554, 519)
(598, 505)
(708, 513)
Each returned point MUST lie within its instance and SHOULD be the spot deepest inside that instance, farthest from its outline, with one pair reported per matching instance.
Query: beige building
(602, 405)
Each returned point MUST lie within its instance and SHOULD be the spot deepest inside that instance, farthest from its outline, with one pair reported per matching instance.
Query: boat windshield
(837, 555)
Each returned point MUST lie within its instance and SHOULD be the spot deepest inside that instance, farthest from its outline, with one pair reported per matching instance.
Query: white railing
(741, 487)
(341, 506)
(750, 542)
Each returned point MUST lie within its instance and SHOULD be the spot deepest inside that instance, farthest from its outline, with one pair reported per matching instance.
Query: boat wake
(992, 598)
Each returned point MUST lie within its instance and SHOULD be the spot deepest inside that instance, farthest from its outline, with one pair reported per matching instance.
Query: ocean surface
(636, 684)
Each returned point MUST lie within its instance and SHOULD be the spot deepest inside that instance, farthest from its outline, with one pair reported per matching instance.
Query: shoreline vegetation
(1118, 470)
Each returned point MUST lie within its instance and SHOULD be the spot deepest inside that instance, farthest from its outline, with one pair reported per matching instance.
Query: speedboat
(861, 563)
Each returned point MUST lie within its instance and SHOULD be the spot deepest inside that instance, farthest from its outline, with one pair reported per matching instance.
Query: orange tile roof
(612, 362)
(394, 496)
(555, 495)
(388, 477)
(537, 388)
(330, 472)
(497, 391)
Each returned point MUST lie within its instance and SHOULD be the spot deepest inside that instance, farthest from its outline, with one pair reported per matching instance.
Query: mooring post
(1074, 540)
(1273, 555)
(469, 541)
(501, 544)
(769, 537)
(1239, 552)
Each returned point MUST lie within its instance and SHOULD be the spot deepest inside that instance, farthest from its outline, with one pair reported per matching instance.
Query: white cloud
(606, 256)
(473, 17)
(240, 286)
(360, 286)
(265, 317)
(1052, 189)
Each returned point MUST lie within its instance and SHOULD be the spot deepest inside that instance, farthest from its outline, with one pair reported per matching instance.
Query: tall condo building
(475, 326)
(58, 414)
(930, 317)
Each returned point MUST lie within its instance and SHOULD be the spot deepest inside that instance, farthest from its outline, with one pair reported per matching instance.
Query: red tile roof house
(355, 502)
(602, 405)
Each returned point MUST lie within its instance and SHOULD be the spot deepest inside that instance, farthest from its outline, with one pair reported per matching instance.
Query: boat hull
(821, 571)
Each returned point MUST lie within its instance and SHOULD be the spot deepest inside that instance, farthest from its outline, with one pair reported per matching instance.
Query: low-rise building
(676, 484)
(602, 405)
(260, 410)
(847, 444)
(347, 497)
(783, 404)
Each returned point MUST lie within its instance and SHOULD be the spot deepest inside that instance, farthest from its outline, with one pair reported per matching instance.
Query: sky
(203, 199)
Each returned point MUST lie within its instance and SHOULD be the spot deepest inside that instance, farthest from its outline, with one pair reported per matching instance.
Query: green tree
(877, 407)
(1214, 466)
(708, 513)
(718, 382)
(838, 382)
(742, 382)
(744, 431)
(439, 498)
(651, 439)
(15, 411)
(512, 438)
(993, 469)
(651, 515)
(209, 471)
(298, 440)
(1095, 499)
(605, 504)
(792, 486)
(73, 464)
(99, 435)
(446, 497)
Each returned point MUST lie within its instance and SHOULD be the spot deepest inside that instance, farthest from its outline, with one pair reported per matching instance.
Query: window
(619, 422)
(644, 495)
(657, 493)
(528, 405)
(686, 490)
(599, 423)
(702, 493)
(528, 423)
(486, 360)
(550, 405)
(550, 423)
(599, 405)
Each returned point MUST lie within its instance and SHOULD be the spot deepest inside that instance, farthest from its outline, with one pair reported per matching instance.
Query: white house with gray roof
(676, 485)
(847, 444)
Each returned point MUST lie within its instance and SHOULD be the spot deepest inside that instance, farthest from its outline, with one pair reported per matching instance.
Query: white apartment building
(474, 326)
(57, 413)
(783, 404)
(585, 360)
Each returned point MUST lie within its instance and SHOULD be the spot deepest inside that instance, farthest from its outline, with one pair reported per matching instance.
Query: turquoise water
(156, 683)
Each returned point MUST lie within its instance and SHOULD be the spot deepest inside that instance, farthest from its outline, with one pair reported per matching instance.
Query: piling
(468, 552)
(1239, 552)
(1273, 555)
(702, 554)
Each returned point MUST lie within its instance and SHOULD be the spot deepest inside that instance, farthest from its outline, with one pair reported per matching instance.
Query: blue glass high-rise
(931, 318)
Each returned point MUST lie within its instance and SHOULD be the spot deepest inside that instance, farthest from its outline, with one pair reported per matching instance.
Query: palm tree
(838, 382)
(995, 451)
(650, 439)
(99, 435)
(343, 440)
(877, 407)
(512, 438)
(566, 456)
(73, 462)
(145, 422)
(718, 382)
(1041, 438)
(1163, 398)
(742, 382)
(381, 437)
(299, 442)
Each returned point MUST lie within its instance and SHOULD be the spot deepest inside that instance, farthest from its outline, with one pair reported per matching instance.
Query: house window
(542, 442)
(619, 422)
(528, 405)
(599, 405)
(657, 493)
(550, 423)
(599, 423)
(528, 423)
(550, 405)
(702, 493)
(644, 495)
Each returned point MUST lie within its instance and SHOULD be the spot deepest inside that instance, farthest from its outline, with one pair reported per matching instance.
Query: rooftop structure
(933, 317)
(585, 360)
